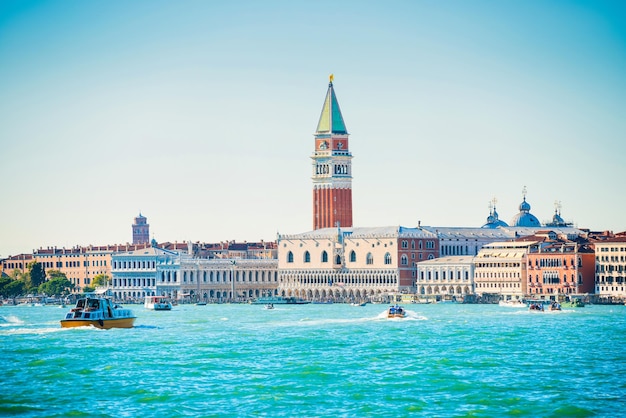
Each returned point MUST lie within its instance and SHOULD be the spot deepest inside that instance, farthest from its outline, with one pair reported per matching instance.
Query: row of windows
(369, 258)
(612, 249)
(613, 258)
(225, 276)
(427, 275)
(610, 269)
(429, 244)
(498, 285)
(134, 264)
(497, 265)
(498, 275)
(553, 262)
(141, 282)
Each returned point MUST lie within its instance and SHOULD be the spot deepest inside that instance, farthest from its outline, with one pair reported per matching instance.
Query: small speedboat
(269, 306)
(555, 306)
(396, 311)
(98, 312)
(535, 307)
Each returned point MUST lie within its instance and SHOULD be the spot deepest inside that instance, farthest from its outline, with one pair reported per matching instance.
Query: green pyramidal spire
(331, 120)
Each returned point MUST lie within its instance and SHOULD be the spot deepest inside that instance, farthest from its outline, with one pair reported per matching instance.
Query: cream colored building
(611, 267)
(500, 269)
(352, 263)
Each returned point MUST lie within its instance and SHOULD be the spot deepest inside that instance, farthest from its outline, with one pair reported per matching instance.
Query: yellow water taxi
(98, 312)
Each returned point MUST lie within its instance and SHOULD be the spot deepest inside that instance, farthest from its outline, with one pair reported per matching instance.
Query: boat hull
(99, 323)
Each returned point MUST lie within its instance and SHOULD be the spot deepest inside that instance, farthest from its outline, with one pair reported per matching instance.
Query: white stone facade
(450, 277)
(352, 263)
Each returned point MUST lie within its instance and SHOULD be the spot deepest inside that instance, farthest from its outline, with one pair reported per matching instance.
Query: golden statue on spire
(331, 77)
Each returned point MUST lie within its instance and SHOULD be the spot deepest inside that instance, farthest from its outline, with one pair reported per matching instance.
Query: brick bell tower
(332, 168)
(141, 230)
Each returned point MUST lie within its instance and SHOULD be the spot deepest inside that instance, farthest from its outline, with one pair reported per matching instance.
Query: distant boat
(269, 306)
(396, 311)
(157, 303)
(572, 302)
(98, 312)
(358, 303)
(511, 303)
(199, 303)
(555, 306)
(279, 300)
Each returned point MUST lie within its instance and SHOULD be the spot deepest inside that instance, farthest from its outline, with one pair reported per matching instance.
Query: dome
(493, 221)
(524, 206)
(524, 217)
(556, 219)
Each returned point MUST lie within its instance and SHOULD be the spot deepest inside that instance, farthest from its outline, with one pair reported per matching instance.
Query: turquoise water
(317, 360)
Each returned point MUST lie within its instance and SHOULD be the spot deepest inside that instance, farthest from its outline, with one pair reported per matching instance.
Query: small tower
(141, 230)
(332, 168)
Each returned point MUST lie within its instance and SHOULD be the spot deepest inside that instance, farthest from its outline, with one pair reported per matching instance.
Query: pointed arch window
(324, 257)
(404, 260)
(369, 259)
(388, 258)
(338, 259)
(307, 257)
(290, 257)
(352, 256)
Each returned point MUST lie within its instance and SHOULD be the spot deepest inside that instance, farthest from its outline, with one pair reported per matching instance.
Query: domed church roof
(524, 217)
(492, 220)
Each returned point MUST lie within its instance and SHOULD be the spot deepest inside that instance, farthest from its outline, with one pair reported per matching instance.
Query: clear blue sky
(201, 114)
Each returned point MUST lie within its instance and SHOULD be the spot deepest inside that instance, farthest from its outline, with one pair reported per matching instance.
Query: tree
(36, 273)
(101, 280)
(56, 286)
(11, 287)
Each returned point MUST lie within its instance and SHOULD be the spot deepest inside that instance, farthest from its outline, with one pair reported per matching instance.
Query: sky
(200, 115)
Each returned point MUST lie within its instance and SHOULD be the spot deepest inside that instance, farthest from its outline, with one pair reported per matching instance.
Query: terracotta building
(558, 266)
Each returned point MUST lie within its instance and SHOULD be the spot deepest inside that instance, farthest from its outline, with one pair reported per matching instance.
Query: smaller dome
(524, 206)
(493, 221)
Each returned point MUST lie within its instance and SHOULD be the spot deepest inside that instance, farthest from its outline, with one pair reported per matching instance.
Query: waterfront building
(144, 272)
(182, 276)
(332, 167)
(445, 278)
(352, 263)
(220, 280)
(559, 266)
(18, 262)
(610, 267)
(141, 230)
(500, 269)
